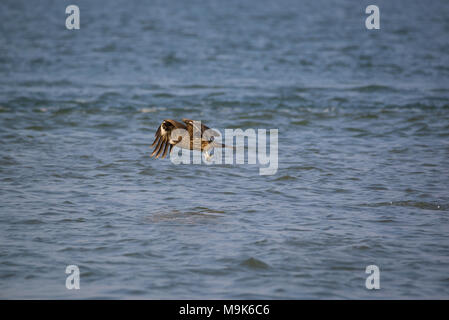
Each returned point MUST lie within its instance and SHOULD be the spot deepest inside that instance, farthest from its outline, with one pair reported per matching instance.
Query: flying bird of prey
(190, 136)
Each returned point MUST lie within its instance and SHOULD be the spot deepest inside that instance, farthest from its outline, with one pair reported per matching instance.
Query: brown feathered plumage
(164, 140)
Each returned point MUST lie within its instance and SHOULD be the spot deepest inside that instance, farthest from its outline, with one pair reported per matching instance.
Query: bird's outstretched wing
(206, 132)
(162, 142)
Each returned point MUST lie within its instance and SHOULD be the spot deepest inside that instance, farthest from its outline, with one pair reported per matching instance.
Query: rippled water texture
(363, 149)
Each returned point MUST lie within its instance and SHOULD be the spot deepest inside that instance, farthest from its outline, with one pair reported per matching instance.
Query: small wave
(373, 88)
(285, 178)
(366, 116)
(254, 263)
(31, 221)
(76, 220)
(35, 128)
(171, 59)
(300, 123)
(107, 48)
(187, 216)
(46, 83)
(306, 168)
(412, 204)
(64, 111)
(352, 129)
(141, 254)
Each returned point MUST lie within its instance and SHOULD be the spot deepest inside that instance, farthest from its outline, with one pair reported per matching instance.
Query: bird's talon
(207, 156)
